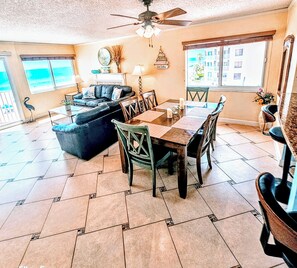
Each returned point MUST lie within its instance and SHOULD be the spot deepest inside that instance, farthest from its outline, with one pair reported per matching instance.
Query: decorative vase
(118, 68)
(68, 107)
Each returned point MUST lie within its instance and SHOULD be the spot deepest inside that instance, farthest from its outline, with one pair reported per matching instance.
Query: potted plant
(67, 104)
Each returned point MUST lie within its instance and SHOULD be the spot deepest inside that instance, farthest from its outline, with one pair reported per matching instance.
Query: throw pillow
(88, 93)
(116, 94)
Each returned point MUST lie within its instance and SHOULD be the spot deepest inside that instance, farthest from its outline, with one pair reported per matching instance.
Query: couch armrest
(71, 128)
(78, 96)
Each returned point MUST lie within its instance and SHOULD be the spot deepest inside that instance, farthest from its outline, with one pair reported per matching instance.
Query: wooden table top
(181, 128)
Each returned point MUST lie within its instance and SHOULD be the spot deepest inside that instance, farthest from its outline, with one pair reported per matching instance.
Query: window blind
(47, 57)
(229, 40)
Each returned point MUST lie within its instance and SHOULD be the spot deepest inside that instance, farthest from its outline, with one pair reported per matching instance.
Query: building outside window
(251, 64)
(48, 73)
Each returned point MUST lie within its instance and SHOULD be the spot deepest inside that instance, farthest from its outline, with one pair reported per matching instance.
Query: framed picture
(104, 56)
(286, 63)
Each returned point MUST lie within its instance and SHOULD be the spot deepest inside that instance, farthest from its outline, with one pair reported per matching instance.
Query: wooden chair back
(276, 220)
(130, 108)
(149, 99)
(197, 93)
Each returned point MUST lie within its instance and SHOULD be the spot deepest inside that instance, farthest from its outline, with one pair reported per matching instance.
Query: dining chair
(202, 141)
(139, 150)
(130, 108)
(268, 112)
(149, 99)
(281, 224)
(221, 102)
(197, 93)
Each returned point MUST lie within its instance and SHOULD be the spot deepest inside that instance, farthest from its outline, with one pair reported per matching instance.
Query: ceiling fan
(148, 18)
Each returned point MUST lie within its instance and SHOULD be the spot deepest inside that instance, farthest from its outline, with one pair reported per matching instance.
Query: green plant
(263, 97)
(66, 102)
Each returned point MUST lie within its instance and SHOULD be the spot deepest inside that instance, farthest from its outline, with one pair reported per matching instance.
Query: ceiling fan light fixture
(140, 31)
(149, 31)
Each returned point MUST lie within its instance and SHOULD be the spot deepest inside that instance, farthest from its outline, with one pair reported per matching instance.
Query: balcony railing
(8, 108)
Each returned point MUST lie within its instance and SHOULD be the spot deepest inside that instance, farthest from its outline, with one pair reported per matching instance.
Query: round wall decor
(104, 56)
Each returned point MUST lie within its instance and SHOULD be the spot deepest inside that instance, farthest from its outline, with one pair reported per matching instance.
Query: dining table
(174, 133)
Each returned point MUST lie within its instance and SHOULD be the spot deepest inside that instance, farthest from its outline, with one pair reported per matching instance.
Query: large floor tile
(66, 156)
(225, 153)
(2, 183)
(114, 149)
(143, 208)
(112, 163)
(234, 139)
(24, 157)
(171, 182)
(181, 210)
(5, 210)
(142, 180)
(223, 129)
(60, 168)
(248, 191)
(65, 216)
(5, 156)
(34, 170)
(47, 189)
(249, 151)
(100, 249)
(112, 182)
(242, 234)
(224, 201)
(238, 170)
(210, 176)
(93, 165)
(10, 171)
(54, 251)
(25, 219)
(150, 246)
(50, 154)
(265, 164)
(16, 190)
(242, 128)
(267, 146)
(256, 136)
(106, 211)
(80, 185)
(12, 251)
(199, 244)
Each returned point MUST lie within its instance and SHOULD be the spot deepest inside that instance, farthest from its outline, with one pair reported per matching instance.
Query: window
(238, 64)
(48, 73)
(251, 64)
(239, 52)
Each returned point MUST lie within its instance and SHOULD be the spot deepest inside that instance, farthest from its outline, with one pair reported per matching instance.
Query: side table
(70, 96)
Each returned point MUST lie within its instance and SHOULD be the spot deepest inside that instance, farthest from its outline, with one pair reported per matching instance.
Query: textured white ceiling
(83, 21)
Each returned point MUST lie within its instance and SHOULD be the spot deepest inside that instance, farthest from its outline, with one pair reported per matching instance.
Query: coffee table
(74, 110)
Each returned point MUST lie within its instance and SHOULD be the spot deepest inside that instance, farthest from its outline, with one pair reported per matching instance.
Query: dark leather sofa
(103, 93)
(92, 131)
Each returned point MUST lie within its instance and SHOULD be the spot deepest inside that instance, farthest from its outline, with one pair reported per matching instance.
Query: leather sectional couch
(92, 132)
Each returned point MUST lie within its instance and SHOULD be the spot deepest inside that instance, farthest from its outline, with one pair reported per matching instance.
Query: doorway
(8, 107)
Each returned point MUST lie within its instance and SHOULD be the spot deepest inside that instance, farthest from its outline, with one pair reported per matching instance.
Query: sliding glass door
(8, 107)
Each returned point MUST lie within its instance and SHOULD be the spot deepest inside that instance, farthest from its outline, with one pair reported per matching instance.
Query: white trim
(5, 53)
(238, 121)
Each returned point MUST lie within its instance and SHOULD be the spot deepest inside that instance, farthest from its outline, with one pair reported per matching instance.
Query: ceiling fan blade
(124, 16)
(135, 23)
(169, 14)
(175, 22)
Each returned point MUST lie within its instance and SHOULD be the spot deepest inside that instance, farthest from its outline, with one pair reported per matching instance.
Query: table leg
(50, 116)
(182, 171)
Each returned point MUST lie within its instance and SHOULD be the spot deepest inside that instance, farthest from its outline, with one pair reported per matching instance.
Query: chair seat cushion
(277, 134)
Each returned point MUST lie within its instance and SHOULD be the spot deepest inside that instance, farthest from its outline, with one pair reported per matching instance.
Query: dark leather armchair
(92, 132)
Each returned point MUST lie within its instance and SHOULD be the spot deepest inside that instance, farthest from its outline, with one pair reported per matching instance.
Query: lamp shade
(138, 70)
(78, 79)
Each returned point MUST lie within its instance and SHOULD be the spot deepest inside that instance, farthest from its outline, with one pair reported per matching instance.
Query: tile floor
(59, 211)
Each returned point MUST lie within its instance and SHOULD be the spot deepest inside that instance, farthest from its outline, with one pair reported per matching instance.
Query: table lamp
(77, 81)
(139, 70)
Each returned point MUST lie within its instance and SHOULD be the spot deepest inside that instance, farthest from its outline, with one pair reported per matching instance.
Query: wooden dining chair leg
(130, 175)
(154, 181)
(198, 166)
(208, 157)
(170, 164)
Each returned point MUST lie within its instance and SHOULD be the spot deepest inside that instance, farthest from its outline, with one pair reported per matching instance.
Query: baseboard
(237, 121)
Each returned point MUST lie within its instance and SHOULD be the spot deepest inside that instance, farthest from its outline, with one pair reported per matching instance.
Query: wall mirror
(286, 63)
(104, 56)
